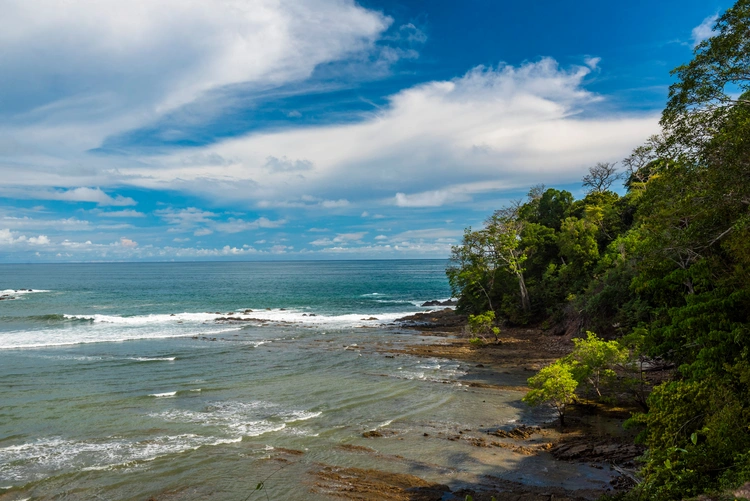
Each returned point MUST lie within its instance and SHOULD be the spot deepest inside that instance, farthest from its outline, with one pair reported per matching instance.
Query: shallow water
(118, 382)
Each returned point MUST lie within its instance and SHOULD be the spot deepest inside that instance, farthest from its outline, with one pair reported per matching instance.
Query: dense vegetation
(664, 268)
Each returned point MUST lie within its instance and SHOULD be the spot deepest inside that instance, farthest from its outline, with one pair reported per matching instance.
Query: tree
(505, 227)
(481, 326)
(709, 86)
(600, 177)
(593, 359)
(554, 385)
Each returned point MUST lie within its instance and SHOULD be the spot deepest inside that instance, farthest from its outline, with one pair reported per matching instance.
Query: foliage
(554, 385)
(480, 327)
(666, 268)
(593, 359)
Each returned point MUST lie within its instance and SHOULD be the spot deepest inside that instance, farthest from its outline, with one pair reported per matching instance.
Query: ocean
(201, 380)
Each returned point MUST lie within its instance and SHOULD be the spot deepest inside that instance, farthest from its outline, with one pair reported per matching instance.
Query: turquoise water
(123, 381)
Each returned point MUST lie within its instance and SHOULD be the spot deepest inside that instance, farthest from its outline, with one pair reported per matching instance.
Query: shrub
(554, 385)
(480, 327)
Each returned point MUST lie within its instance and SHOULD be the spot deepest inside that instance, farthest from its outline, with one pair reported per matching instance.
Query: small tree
(592, 360)
(554, 385)
(600, 177)
(480, 326)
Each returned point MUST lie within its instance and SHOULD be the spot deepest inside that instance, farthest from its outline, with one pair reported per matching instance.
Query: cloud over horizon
(323, 128)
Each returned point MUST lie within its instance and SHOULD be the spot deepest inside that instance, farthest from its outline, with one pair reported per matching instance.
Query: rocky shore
(593, 435)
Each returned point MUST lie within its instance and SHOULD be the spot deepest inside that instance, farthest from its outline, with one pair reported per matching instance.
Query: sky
(187, 130)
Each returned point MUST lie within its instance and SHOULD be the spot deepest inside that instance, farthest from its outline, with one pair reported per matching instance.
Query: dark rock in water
(248, 311)
(449, 302)
(372, 434)
(371, 318)
(443, 320)
(172, 315)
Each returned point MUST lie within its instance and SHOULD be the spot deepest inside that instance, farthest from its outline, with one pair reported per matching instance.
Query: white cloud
(81, 194)
(186, 218)
(65, 89)
(173, 49)
(202, 232)
(8, 238)
(340, 238)
(237, 225)
(333, 204)
(122, 213)
(427, 199)
(126, 242)
(283, 164)
(304, 201)
(436, 144)
(428, 234)
(705, 30)
(27, 223)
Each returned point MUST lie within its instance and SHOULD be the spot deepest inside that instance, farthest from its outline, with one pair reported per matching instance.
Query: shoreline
(593, 436)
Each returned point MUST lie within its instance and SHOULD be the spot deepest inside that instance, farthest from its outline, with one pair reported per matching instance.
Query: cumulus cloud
(705, 30)
(8, 238)
(186, 218)
(436, 144)
(126, 242)
(340, 238)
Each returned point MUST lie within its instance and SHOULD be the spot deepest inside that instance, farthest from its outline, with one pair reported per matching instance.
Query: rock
(371, 318)
(372, 434)
(449, 302)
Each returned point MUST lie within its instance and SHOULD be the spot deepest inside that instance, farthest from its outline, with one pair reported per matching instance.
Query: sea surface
(189, 380)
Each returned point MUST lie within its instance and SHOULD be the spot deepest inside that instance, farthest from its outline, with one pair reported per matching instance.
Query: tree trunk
(525, 302)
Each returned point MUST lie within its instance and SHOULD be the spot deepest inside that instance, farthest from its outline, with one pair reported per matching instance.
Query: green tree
(554, 385)
(482, 326)
(479, 264)
(593, 360)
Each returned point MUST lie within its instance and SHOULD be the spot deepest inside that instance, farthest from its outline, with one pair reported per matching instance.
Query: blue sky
(323, 129)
